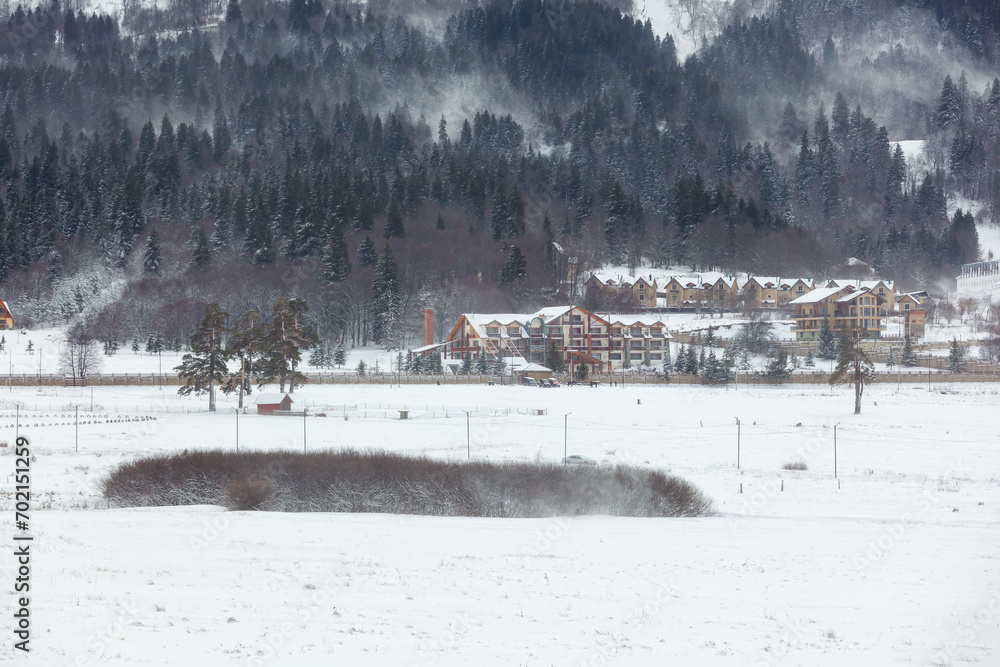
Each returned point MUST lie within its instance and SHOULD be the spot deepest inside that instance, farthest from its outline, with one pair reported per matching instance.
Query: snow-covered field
(894, 563)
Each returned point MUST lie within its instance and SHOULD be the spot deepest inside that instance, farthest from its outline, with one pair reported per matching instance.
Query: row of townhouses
(859, 307)
(602, 342)
(721, 292)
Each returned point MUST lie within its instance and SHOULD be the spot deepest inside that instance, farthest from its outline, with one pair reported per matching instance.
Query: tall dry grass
(353, 481)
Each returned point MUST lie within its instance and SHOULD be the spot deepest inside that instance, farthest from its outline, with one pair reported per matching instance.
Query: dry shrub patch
(353, 481)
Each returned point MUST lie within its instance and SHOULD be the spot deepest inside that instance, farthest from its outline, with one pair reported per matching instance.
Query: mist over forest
(376, 159)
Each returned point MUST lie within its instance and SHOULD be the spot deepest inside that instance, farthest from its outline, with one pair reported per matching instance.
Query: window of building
(577, 330)
(656, 356)
(616, 331)
(492, 331)
(635, 355)
(616, 355)
(635, 331)
(577, 318)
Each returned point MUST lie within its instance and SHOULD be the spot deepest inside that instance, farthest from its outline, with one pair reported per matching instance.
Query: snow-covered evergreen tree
(151, 255)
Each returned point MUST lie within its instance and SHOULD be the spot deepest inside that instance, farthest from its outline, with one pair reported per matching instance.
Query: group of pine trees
(266, 350)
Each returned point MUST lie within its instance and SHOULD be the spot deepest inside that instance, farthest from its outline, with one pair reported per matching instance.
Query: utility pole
(566, 436)
(304, 410)
(738, 429)
(77, 411)
(468, 433)
(835, 449)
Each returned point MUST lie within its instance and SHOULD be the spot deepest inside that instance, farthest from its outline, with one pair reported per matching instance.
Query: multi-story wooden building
(638, 290)
(6, 319)
(579, 336)
(773, 292)
(845, 307)
(914, 313)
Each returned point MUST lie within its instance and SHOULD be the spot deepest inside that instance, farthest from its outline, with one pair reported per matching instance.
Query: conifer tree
(778, 366)
(466, 363)
(247, 344)
(908, 358)
(853, 367)
(956, 357)
(367, 256)
(205, 366)
(515, 268)
(394, 221)
(500, 366)
(482, 364)
(151, 255)
(810, 362)
(234, 14)
(288, 335)
(202, 253)
(258, 245)
(339, 356)
(336, 262)
(385, 299)
(710, 337)
(554, 358)
(827, 341)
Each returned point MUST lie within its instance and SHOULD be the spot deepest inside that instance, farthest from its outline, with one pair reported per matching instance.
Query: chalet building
(712, 290)
(847, 307)
(773, 292)
(883, 288)
(603, 343)
(6, 319)
(638, 289)
(914, 313)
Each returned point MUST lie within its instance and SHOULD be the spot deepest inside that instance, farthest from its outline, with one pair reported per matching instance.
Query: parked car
(529, 382)
(578, 460)
(552, 382)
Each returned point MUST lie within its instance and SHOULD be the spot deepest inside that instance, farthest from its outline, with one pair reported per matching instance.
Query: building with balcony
(604, 343)
(847, 307)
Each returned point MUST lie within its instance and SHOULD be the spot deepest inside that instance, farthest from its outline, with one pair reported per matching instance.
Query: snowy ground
(897, 565)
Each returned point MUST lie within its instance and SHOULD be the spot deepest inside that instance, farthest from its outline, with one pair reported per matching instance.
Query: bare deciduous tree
(80, 354)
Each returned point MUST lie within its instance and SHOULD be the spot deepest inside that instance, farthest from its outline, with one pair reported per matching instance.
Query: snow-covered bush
(352, 481)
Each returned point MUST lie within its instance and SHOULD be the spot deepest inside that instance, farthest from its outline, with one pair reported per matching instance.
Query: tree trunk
(857, 393)
(242, 384)
(211, 380)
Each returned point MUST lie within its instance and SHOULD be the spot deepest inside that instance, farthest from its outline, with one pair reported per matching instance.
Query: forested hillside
(377, 163)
